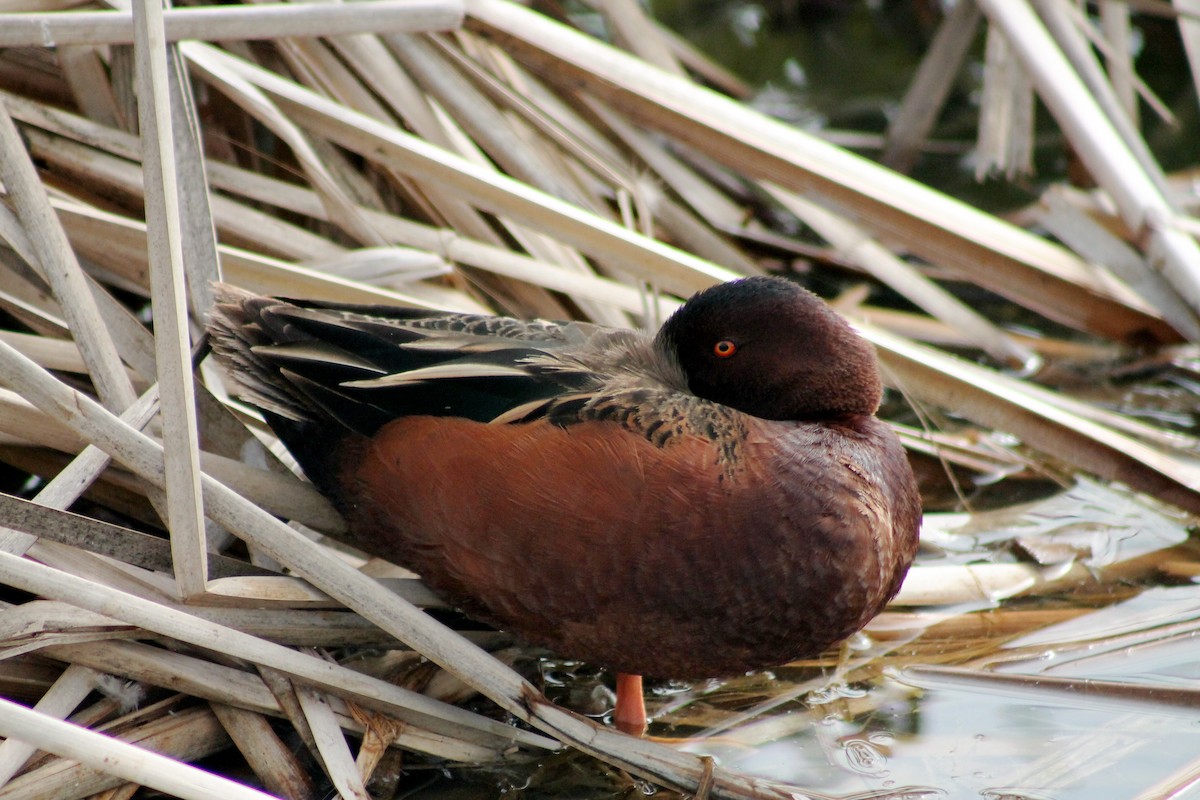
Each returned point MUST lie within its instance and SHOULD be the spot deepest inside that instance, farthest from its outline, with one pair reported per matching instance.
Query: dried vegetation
(477, 154)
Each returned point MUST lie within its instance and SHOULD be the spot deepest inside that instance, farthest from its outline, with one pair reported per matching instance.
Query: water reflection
(961, 743)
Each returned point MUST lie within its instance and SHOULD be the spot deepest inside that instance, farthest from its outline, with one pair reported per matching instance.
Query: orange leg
(630, 713)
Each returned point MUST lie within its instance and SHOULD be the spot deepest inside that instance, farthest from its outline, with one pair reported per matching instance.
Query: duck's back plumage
(563, 481)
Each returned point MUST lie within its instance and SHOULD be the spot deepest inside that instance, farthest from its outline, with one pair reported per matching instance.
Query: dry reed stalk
(512, 145)
(1117, 26)
(330, 745)
(944, 585)
(675, 270)
(271, 759)
(167, 621)
(586, 183)
(1134, 184)
(1118, 56)
(852, 243)
(1189, 31)
(98, 762)
(921, 328)
(159, 123)
(231, 23)
(926, 95)
(158, 667)
(1028, 269)
(1006, 117)
(75, 684)
(61, 269)
(1091, 239)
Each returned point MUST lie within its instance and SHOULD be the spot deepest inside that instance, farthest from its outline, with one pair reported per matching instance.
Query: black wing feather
(302, 361)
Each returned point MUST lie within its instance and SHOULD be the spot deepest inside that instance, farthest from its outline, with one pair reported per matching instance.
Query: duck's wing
(365, 366)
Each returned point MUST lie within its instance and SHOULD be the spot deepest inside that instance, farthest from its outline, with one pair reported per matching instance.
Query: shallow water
(965, 743)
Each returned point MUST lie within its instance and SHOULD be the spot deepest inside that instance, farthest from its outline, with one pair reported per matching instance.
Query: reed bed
(171, 586)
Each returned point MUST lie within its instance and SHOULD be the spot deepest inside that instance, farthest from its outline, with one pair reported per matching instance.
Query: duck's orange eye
(724, 348)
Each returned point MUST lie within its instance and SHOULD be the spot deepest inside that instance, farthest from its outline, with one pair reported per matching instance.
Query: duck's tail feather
(235, 330)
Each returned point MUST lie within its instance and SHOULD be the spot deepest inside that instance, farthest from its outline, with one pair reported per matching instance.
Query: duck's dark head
(772, 349)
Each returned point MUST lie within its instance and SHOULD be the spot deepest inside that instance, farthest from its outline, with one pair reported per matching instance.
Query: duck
(710, 499)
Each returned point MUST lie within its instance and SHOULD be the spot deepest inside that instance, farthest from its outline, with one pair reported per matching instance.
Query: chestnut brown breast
(647, 560)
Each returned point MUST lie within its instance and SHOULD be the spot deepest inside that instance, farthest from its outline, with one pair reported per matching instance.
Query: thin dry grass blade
(927, 93)
(273, 762)
(1189, 31)
(232, 23)
(185, 511)
(60, 268)
(119, 758)
(1006, 113)
(60, 700)
(1116, 25)
(1120, 64)
(340, 206)
(512, 145)
(331, 745)
(633, 31)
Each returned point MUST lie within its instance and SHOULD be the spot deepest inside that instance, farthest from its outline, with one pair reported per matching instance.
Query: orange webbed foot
(630, 713)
